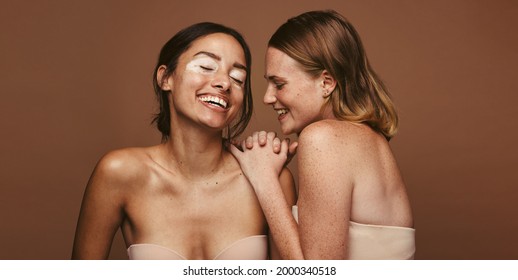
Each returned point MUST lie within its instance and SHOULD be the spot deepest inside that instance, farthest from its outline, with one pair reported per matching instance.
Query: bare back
(379, 195)
(367, 168)
(346, 173)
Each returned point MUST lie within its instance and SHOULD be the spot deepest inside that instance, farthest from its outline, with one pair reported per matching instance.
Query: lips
(214, 100)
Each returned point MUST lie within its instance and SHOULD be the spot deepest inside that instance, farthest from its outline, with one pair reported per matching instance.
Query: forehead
(279, 63)
(220, 44)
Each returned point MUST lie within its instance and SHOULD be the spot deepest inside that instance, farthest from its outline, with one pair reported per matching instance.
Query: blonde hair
(325, 40)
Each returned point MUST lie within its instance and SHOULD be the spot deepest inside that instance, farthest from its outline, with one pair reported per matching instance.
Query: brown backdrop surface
(75, 82)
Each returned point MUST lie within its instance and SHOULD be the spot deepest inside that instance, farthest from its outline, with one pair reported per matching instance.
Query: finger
(271, 135)
(249, 143)
(235, 144)
(262, 138)
(235, 141)
(293, 148)
(276, 145)
(276, 142)
(255, 137)
(284, 147)
(288, 141)
(234, 150)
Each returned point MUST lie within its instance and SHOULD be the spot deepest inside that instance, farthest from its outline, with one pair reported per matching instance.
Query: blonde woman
(352, 200)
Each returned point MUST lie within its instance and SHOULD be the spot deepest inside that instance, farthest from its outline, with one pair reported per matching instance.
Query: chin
(287, 131)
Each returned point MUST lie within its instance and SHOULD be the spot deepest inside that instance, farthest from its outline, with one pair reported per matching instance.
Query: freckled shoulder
(318, 131)
(320, 143)
(324, 135)
(335, 146)
(327, 134)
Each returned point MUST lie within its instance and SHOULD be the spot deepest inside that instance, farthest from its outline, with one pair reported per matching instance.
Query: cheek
(299, 96)
(193, 75)
(238, 99)
(192, 80)
(310, 94)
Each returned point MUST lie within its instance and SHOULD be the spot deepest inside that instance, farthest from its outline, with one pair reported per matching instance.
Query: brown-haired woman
(185, 198)
(352, 200)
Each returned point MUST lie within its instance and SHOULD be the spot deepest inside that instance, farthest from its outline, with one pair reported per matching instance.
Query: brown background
(75, 82)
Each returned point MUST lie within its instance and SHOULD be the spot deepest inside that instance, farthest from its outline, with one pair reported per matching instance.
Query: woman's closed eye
(237, 80)
(238, 76)
(279, 86)
(207, 68)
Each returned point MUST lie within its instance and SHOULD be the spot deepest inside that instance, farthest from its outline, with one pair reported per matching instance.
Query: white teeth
(281, 111)
(214, 100)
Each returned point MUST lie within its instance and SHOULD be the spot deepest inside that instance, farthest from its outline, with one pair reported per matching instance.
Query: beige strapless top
(375, 242)
(249, 248)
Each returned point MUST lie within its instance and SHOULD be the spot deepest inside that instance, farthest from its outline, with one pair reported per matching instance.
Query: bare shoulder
(122, 165)
(323, 137)
(338, 148)
(319, 131)
(336, 131)
(337, 137)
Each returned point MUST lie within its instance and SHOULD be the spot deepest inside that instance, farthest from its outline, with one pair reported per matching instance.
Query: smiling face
(296, 96)
(207, 86)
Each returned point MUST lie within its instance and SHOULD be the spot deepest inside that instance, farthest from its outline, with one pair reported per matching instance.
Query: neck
(327, 112)
(194, 153)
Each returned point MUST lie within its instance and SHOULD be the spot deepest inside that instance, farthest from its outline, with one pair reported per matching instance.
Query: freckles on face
(298, 95)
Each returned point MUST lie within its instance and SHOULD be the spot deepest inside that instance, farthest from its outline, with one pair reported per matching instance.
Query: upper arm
(325, 190)
(288, 188)
(101, 210)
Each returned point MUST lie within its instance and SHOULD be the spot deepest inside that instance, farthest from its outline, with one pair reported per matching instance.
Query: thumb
(235, 151)
(284, 147)
(293, 148)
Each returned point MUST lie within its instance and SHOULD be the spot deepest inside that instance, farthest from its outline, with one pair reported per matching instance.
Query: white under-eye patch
(238, 75)
(202, 65)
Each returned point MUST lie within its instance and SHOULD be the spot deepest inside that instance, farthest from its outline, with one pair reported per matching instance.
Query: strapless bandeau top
(249, 248)
(376, 242)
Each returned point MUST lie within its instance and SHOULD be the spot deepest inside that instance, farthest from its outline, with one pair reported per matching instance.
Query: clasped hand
(263, 154)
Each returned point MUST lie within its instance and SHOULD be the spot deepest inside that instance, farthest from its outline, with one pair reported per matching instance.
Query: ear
(164, 82)
(328, 83)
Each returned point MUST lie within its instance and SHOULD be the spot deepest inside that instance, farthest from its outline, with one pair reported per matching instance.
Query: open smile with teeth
(214, 100)
(281, 112)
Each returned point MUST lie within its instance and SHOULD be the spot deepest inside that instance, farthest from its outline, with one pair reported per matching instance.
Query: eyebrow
(218, 58)
(272, 77)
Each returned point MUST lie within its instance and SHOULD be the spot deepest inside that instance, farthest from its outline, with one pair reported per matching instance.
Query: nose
(221, 82)
(269, 96)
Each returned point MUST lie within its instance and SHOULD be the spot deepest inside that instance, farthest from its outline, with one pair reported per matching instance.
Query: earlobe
(162, 80)
(328, 83)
